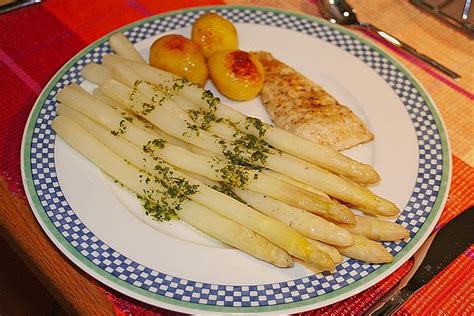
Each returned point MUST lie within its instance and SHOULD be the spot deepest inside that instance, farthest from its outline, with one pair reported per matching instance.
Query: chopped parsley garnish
(147, 108)
(233, 174)
(246, 150)
(179, 84)
(191, 127)
(174, 190)
(144, 108)
(157, 143)
(260, 126)
(173, 193)
(121, 130)
(210, 99)
(204, 118)
(127, 116)
(227, 190)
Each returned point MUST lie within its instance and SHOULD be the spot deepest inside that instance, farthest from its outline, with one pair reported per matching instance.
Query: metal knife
(440, 249)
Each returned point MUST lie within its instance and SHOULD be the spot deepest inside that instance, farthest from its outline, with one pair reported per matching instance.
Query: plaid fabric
(52, 32)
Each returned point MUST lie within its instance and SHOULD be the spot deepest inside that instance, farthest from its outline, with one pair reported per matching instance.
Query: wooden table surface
(79, 294)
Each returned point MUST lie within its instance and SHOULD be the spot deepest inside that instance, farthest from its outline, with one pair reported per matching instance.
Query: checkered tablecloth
(52, 32)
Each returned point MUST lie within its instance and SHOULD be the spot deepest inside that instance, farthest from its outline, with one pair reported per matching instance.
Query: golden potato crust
(212, 33)
(236, 74)
(180, 56)
(242, 66)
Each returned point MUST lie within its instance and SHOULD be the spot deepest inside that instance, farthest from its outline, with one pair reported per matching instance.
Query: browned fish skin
(300, 106)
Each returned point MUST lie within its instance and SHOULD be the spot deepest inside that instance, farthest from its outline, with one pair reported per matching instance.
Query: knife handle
(393, 303)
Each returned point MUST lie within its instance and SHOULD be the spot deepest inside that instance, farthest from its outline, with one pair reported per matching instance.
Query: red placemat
(51, 33)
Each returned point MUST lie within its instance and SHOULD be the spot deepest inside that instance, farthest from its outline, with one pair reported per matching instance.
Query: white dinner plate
(102, 229)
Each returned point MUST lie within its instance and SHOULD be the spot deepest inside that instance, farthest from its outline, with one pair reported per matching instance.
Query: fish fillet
(300, 106)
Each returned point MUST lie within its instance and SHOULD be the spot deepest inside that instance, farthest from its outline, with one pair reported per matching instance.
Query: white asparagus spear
(370, 227)
(377, 229)
(362, 248)
(96, 73)
(171, 119)
(298, 169)
(195, 214)
(77, 87)
(320, 155)
(214, 168)
(332, 185)
(312, 226)
(331, 250)
(366, 250)
(200, 151)
(105, 99)
(306, 223)
(123, 47)
(292, 181)
(236, 235)
(384, 207)
(139, 121)
(276, 232)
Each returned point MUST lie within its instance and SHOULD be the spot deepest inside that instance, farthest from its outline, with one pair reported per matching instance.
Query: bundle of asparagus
(248, 184)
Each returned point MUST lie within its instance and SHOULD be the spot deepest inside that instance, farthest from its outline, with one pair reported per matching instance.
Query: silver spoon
(338, 11)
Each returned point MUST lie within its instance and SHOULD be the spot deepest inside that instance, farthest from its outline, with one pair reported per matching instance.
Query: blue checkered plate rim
(108, 265)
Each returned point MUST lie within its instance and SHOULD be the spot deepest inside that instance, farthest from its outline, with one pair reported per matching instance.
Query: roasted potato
(237, 74)
(213, 32)
(180, 56)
